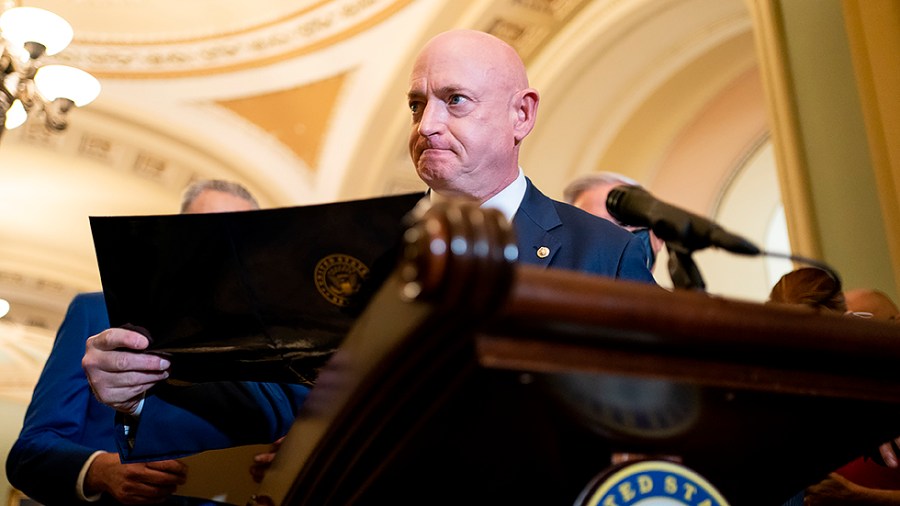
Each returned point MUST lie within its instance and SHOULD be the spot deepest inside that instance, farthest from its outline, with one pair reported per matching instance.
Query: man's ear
(525, 104)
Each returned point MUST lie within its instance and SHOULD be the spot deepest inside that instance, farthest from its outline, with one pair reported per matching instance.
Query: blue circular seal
(651, 483)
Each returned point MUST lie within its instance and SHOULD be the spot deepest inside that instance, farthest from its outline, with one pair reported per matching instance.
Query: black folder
(263, 295)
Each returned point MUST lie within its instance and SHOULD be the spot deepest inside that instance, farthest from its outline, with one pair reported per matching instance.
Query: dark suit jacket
(577, 240)
(205, 419)
(64, 424)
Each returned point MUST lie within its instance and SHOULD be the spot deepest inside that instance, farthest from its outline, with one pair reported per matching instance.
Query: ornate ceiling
(304, 102)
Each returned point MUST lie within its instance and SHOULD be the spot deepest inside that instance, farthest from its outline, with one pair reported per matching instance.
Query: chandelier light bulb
(63, 81)
(4, 307)
(16, 115)
(20, 25)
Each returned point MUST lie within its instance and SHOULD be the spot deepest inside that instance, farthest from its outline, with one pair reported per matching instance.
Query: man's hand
(888, 453)
(262, 461)
(835, 490)
(118, 376)
(141, 483)
(832, 491)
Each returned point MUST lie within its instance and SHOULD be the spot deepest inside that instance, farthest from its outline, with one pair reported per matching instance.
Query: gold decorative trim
(335, 22)
(86, 40)
(338, 277)
(297, 117)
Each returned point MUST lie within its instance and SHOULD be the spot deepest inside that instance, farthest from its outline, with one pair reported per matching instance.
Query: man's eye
(414, 107)
(456, 99)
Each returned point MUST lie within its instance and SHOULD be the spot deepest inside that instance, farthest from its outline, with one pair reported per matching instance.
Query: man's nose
(433, 119)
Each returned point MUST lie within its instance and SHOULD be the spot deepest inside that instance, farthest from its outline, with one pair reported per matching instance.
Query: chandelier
(29, 87)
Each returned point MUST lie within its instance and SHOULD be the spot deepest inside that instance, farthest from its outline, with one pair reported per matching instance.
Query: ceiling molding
(310, 30)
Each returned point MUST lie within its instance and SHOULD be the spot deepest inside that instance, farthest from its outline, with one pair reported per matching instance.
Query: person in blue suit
(66, 452)
(471, 108)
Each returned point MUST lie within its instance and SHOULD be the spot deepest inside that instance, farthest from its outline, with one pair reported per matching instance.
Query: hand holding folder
(262, 295)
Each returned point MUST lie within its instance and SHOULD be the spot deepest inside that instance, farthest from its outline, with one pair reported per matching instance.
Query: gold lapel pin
(543, 252)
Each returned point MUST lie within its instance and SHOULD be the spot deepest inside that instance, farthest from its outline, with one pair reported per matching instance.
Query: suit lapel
(534, 223)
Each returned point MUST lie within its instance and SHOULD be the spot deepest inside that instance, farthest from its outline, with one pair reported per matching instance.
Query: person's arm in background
(66, 453)
(839, 491)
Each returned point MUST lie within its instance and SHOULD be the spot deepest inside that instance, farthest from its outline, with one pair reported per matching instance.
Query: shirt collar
(508, 199)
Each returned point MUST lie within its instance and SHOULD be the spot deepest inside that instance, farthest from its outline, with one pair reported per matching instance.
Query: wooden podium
(471, 379)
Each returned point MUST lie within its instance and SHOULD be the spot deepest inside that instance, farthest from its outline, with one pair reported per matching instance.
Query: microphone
(633, 205)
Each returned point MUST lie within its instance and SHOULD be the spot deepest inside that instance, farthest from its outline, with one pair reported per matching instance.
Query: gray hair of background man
(195, 189)
(581, 184)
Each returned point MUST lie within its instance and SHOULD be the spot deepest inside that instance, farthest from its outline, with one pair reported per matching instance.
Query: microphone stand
(683, 270)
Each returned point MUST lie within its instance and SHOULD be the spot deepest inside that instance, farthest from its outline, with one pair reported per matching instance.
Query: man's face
(462, 139)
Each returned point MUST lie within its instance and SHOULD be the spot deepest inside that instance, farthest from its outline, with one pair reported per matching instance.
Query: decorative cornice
(36, 302)
(528, 24)
(119, 153)
(307, 31)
